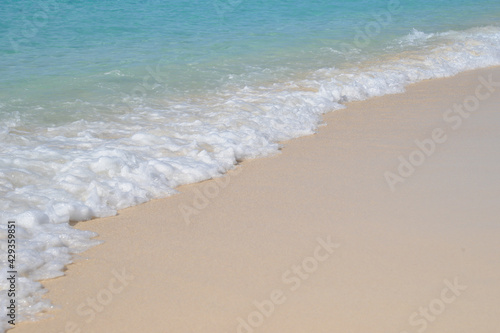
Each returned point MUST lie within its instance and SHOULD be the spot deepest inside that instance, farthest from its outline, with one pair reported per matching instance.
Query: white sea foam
(414, 38)
(87, 169)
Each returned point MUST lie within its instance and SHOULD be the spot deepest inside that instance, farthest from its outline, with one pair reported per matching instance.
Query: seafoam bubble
(42, 251)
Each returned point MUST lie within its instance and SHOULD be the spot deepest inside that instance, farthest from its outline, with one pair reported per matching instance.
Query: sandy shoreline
(316, 239)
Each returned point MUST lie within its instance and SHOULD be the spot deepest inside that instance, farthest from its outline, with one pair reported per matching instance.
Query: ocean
(108, 104)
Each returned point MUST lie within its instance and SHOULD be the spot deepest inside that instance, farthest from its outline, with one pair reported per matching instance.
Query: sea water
(108, 104)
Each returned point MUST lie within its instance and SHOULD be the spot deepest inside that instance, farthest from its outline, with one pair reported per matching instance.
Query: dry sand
(422, 258)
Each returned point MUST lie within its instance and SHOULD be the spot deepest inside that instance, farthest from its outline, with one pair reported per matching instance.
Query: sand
(315, 239)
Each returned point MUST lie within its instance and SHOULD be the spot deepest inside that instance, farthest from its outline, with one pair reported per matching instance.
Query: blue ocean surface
(108, 104)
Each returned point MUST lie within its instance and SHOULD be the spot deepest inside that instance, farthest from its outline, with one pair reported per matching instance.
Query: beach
(385, 220)
(109, 105)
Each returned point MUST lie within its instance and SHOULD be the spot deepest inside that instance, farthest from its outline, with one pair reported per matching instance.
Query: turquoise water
(58, 52)
(108, 104)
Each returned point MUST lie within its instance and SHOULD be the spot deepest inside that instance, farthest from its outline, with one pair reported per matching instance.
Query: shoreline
(284, 242)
